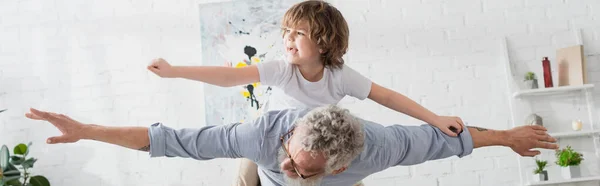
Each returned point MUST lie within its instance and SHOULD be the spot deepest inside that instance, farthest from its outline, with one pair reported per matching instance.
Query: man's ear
(339, 171)
(321, 50)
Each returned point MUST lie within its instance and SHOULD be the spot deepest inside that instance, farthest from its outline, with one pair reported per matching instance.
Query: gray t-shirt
(259, 141)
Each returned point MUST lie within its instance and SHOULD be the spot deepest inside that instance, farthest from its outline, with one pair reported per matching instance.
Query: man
(326, 145)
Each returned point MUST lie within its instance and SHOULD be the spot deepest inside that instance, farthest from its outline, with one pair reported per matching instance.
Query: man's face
(311, 165)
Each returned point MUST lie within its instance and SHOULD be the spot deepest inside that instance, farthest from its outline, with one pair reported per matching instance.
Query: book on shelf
(571, 66)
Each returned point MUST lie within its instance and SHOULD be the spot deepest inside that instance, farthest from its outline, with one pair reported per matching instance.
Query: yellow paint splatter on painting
(255, 60)
(240, 64)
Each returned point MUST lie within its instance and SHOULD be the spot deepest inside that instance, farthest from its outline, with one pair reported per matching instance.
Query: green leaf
(11, 167)
(16, 182)
(39, 181)
(9, 179)
(12, 173)
(29, 163)
(16, 160)
(20, 149)
(4, 155)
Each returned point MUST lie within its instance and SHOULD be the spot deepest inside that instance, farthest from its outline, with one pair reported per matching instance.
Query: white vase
(570, 172)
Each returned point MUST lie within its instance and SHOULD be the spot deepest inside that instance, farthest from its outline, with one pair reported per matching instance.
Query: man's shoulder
(277, 121)
(285, 116)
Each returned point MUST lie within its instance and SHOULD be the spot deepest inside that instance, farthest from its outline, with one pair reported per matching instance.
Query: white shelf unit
(520, 103)
(550, 91)
(574, 180)
(575, 134)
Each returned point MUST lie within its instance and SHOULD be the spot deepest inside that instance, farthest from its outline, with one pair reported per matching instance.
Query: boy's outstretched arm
(214, 75)
(398, 102)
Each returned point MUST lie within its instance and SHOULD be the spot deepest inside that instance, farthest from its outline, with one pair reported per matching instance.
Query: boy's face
(300, 50)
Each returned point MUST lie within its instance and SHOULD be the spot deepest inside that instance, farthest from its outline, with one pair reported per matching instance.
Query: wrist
(176, 72)
(87, 131)
(434, 120)
(505, 139)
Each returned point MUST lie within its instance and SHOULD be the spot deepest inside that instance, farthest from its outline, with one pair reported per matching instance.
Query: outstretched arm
(230, 141)
(214, 75)
(400, 103)
(417, 144)
(520, 139)
(73, 131)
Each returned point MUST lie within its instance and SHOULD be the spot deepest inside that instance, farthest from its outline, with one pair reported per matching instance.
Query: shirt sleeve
(355, 84)
(410, 145)
(221, 141)
(273, 73)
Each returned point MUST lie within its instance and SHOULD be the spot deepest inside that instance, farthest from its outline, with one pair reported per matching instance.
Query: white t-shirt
(291, 90)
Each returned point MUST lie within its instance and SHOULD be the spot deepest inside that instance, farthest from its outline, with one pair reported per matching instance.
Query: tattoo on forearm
(145, 148)
(478, 128)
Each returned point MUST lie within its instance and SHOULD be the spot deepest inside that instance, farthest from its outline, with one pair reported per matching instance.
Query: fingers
(459, 127)
(540, 132)
(546, 145)
(546, 138)
(154, 64)
(33, 116)
(538, 127)
(448, 132)
(39, 115)
(460, 121)
(531, 153)
(56, 139)
(153, 69)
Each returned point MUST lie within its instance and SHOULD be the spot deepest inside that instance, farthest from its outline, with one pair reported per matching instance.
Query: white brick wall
(87, 59)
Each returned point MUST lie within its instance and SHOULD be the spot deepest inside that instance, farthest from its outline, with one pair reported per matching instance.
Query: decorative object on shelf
(569, 160)
(547, 73)
(534, 119)
(576, 125)
(539, 174)
(531, 80)
(571, 66)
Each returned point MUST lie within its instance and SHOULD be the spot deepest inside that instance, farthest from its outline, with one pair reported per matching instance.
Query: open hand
(524, 138)
(450, 125)
(161, 68)
(72, 131)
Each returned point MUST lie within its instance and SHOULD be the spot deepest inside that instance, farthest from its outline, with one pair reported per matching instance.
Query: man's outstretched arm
(417, 144)
(73, 131)
(227, 141)
(520, 139)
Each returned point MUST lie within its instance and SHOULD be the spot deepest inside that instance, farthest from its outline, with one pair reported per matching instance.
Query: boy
(313, 74)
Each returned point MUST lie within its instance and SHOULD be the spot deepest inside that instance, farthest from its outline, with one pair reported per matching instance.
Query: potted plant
(539, 174)
(15, 170)
(569, 160)
(531, 80)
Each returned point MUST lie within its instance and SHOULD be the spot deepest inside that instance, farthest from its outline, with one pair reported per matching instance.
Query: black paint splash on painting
(252, 98)
(249, 51)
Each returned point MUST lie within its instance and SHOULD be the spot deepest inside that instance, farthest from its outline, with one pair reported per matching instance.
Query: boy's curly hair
(327, 27)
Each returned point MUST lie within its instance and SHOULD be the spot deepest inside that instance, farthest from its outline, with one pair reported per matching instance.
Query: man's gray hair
(333, 131)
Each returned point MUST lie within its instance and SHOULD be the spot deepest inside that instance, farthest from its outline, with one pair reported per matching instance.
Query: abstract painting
(237, 34)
